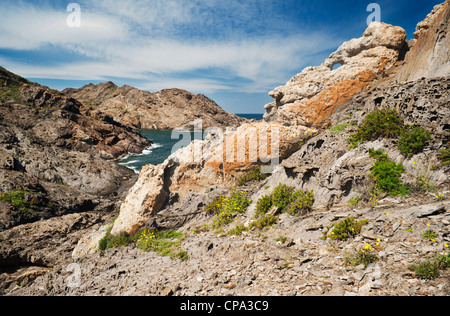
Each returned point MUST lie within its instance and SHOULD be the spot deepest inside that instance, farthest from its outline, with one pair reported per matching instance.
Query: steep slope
(164, 110)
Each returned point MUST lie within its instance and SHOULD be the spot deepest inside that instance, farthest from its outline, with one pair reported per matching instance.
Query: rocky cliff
(57, 157)
(164, 110)
(357, 205)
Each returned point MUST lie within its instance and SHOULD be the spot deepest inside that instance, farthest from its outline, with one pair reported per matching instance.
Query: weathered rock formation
(310, 97)
(164, 110)
(56, 156)
(429, 57)
(218, 161)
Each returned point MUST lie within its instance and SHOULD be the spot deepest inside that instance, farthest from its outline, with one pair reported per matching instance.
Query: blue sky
(233, 51)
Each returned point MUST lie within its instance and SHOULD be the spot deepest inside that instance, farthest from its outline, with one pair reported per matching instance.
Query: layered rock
(56, 155)
(164, 110)
(429, 57)
(310, 97)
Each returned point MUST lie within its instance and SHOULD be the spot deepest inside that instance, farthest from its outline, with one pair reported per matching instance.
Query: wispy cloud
(156, 41)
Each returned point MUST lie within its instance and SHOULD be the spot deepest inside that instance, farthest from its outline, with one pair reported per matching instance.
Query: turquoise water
(163, 144)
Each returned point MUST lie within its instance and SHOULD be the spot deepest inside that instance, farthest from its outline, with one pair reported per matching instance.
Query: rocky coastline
(357, 203)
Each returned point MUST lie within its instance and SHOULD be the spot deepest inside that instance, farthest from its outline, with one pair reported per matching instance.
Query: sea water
(162, 147)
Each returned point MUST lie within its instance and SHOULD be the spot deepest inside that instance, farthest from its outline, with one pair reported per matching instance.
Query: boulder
(146, 198)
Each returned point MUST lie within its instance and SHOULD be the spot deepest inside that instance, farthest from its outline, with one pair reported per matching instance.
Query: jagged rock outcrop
(429, 57)
(310, 97)
(164, 110)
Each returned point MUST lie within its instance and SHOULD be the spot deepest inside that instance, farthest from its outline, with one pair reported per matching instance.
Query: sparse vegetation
(364, 256)
(253, 176)
(19, 200)
(430, 235)
(345, 229)
(165, 242)
(354, 201)
(339, 128)
(428, 270)
(444, 156)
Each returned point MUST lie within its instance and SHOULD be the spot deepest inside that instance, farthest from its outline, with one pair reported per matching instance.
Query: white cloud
(132, 39)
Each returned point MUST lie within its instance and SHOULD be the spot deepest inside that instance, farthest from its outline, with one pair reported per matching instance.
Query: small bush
(264, 205)
(413, 140)
(288, 199)
(264, 222)
(282, 196)
(362, 256)
(443, 261)
(253, 176)
(386, 175)
(444, 156)
(379, 124)
(302, 203)
(429, 234)
(346, 229)
(426, 270)
(225, 207)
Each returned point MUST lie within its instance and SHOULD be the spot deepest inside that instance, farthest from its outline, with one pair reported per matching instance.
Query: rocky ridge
(164, 110)
(57, 157)
(291, 257)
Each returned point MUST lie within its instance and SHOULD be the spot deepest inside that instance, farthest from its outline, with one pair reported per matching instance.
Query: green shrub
(282, 196)
(288, 199)
(302, 202)
(264, 205)
(429, 234)
(426, 270)
(346, 229)
(264, 222)
(379, 124)
(444, 156)
(386, 175)
(253, 176)
(413, 140)
(361, 256)
(225, 207)
(111, 241)
(339, 128)
(443, 261)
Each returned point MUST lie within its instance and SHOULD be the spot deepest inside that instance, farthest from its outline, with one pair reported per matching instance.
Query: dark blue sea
(163, 145)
